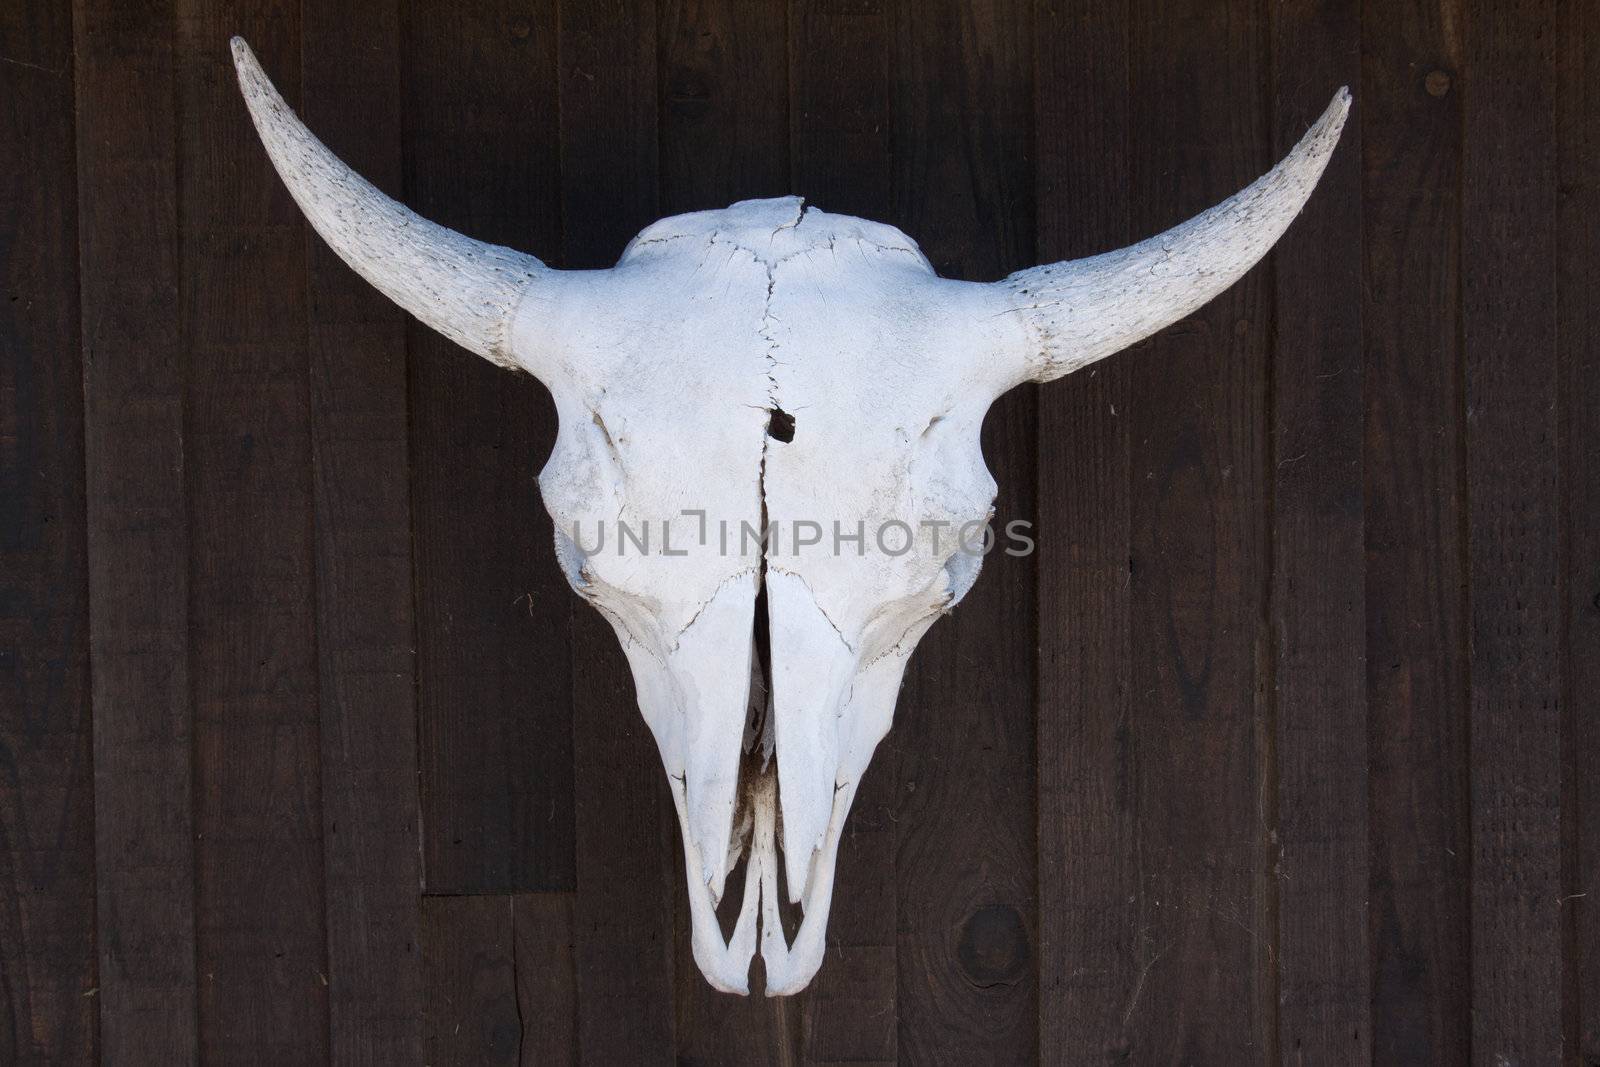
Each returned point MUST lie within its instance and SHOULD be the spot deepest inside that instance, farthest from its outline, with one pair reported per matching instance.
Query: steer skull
(771, 366)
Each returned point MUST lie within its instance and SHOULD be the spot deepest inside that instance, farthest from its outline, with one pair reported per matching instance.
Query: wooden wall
(1280, 749)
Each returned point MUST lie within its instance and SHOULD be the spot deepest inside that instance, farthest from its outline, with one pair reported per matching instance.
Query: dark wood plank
(964, 736)
(1318, 613)
(1578, 335)
(627, 863)
(47, 859)
(841, 108)
(260, 939)
(138, 531)
(847, 1014)
(724, 102)
(494, 697)
(470, 1004)
(1091, 953)
(627, 858)
(362, 509)
(547, 980)
(499, 980)
(1508, 298)
(610, 150)
(840, 118)
(1418, 912)
(1198, 483)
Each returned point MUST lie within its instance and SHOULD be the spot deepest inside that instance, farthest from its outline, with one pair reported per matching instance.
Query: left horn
(1082, 310)
(466, 290)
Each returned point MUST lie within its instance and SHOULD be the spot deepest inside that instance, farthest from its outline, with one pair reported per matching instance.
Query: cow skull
(771, 365)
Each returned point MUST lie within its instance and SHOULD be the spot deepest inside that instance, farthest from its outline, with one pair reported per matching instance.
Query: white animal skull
(676, 374)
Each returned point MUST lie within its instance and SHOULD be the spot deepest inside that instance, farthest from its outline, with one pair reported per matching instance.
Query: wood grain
(963, 735)
(1091, 954)
(493, 640)
(362, 507)
(133, 385)
(841, 88)
(47, 833)
(547, 980)
(1198, 516)
(500, 986)
(1317, 606)
(1578, 358)
(253, 659)
(1413, 485)
(1508, 305)
(724, 105)
(470, 1015)
(260, 939)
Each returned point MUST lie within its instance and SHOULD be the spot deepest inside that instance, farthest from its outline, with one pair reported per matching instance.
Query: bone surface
(770, 366)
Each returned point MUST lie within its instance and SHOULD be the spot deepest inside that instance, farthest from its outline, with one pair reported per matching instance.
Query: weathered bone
(465, 289)
(1087, 309)
(670, 374)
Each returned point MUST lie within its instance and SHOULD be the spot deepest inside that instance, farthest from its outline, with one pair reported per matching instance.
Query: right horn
(465, 289)
(1082, 310)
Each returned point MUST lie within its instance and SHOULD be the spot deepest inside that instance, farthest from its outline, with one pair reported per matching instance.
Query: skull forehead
(772, 230)
(678, 356)
(769, 304)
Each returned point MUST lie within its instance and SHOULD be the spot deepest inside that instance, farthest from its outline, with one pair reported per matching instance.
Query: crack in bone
(677, 638)
(817, 601)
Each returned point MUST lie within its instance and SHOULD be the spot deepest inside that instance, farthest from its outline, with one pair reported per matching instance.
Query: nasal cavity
(780, 427)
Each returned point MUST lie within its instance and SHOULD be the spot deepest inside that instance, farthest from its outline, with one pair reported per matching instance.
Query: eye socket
(961, 571)
(571, 559)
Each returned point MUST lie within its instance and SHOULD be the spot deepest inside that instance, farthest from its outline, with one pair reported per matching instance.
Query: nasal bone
(812, 664)
(789, 966)
(714, 679)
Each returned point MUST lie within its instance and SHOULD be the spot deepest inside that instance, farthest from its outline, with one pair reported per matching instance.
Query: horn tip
(1323, 135)
(247, 66)
(1338, 107)
(254, 84)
